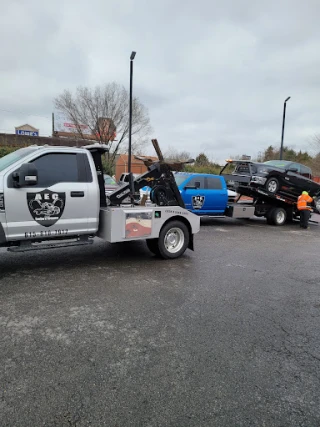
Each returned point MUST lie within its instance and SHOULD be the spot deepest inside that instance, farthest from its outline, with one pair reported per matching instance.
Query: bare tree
(314, 143)
(173, 154)
(105, 110)
(315, 150)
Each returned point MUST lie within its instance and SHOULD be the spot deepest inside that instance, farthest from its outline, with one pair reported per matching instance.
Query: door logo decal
(46, 207)
(197, 202)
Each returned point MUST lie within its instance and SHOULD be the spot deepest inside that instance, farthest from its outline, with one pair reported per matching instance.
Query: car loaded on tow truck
(52, 196)
(273, 187)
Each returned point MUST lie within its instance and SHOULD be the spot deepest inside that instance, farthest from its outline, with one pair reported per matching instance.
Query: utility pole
(283, 122)
(52, 124)
(133, 54)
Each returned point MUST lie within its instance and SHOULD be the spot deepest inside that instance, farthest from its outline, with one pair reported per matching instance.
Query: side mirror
(295, 170)
(25, 176)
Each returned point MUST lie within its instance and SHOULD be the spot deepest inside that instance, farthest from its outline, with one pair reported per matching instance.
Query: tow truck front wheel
(173, 240)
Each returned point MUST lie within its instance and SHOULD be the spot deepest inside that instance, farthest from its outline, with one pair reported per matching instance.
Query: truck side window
(295, 167)
(213, 183)
(305, 171)
(54, 168)
(192, 182)
(242, 168)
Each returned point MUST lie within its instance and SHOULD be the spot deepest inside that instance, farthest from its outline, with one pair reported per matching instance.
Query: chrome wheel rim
(272, 186)
(280, 217)
(174, 240)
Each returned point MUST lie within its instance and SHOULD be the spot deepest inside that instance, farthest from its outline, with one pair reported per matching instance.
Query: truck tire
(153, 246)
(268, 217)
(158, 195)
(276, 216)
(272, 185)
(173, 239)
(3, 239)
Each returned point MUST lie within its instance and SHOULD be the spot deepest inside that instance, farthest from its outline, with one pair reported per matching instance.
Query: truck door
(60, 204)
(193, 194)
(217, 194)
(292, 179)
(204, 194)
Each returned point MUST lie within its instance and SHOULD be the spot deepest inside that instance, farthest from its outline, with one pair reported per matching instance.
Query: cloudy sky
(213, 74)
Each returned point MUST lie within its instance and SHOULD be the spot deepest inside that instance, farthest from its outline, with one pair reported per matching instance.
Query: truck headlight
(258, 179)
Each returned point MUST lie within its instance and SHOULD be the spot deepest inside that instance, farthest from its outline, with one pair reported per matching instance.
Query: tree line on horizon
(203, 164)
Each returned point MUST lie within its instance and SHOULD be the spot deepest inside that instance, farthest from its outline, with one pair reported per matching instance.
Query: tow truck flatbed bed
(255, 192)
(277, 208)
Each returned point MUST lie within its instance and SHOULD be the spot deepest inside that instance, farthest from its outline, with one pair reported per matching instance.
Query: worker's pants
(304, 218)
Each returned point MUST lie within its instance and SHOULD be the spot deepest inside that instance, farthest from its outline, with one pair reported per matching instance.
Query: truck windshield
(277, 163)
(180, 179)
(11, 158)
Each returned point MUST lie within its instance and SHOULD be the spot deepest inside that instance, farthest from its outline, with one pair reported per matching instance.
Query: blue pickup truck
(203, 194)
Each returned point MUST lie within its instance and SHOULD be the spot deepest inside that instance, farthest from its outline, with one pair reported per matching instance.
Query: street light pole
(133, 54)
(283, 121)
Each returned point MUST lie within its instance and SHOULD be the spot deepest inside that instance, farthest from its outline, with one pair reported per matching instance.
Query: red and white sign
(62, 124)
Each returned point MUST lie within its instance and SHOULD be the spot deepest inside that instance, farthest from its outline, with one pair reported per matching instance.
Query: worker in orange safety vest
(305, 210)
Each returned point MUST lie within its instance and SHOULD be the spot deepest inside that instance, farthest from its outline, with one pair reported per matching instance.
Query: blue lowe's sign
(26, 132)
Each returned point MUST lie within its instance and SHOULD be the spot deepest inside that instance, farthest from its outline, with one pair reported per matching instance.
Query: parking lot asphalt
(108, 335)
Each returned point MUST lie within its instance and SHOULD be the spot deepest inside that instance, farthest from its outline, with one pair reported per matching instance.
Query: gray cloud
(213, 75)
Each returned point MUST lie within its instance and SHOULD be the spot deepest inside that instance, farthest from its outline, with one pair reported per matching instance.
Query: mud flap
(3, 239)
(191, 246)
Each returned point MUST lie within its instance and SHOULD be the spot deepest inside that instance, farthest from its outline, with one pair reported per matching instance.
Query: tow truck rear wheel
(276, 216)
(173, 239)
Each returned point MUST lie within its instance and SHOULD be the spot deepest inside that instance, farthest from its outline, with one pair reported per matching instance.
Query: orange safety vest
(302, 202)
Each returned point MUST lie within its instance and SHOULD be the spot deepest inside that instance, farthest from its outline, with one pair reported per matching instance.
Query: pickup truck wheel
(277, 216)
(173, 239)
(272, 185)
(153, 246)
(158, 195)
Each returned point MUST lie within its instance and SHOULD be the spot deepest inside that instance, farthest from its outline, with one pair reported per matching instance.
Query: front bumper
(260, 180)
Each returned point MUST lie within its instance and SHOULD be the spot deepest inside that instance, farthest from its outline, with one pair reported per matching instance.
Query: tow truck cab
(48, 191)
